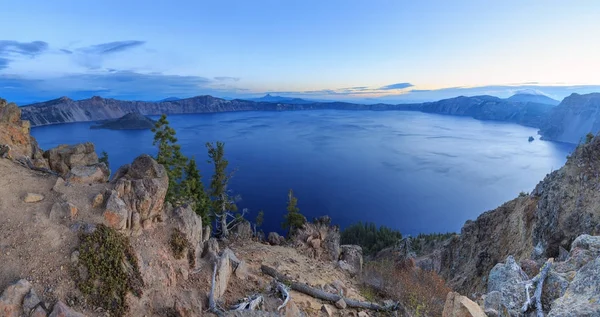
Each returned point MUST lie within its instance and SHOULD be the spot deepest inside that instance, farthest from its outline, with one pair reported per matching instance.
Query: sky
(351, 50)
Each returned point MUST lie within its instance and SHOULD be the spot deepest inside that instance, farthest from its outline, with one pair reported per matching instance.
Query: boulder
(62, 310)
(341, 304)
(318, 239)
(33, 198)
(63, 158)
(327, 310)
(225, 268)
(243, 230)
(116, 213)
(88, 174)
(141, 189)
(507, 279)
(584, 249)
(555, 286)
(190, 224)
(31, 303)
(59, 185)
(12, 298)
(352, 255)
(206, 233)
(63, 210)
(460, 306)
(582, 297)
(275, 239)
(211, 249)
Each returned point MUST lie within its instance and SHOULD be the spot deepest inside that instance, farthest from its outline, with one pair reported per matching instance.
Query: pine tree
(104, 159)
(192, 190)
(223, 206)
(170, 156)
(293, 219)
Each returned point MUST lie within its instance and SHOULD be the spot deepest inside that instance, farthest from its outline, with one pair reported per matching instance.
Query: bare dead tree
(317, 293)
(536, 301)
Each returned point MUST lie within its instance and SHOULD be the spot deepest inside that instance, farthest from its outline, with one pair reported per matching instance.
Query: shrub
(111, 269)
(179, 244)
(422, 292)
(369, 237)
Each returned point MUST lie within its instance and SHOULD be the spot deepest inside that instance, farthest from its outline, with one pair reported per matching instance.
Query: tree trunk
(317, 293)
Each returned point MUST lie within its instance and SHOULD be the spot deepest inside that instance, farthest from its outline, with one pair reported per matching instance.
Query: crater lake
(411, 171)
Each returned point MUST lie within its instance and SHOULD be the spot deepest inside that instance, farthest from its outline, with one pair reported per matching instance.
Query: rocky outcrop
(460, 306)
(77, 163)
(570, 121)
(15, 138)
(571, 287)
(138, 196)
(275, 239)
(561, 207)
(351, 258)
(190, 224)
(318, 239)
(20, 299)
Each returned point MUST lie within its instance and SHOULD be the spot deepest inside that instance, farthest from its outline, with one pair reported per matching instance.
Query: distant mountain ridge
(536, 98)
(576, 116)
(64, 109)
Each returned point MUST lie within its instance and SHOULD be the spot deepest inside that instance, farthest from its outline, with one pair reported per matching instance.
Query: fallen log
(317, 293)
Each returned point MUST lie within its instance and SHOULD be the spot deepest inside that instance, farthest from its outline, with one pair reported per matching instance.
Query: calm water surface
(412, 171)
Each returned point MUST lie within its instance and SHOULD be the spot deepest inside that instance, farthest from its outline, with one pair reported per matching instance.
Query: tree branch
(536, 301)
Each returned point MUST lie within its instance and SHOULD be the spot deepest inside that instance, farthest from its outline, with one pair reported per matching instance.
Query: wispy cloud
(112, 47)
(10, 50)
(4, 62)
(22, 48)
(227, 78)
(396, 86)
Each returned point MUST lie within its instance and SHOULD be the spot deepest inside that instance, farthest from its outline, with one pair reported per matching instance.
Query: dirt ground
(38, 247)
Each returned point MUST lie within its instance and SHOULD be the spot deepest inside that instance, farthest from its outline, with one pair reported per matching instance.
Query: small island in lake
(130, 121)
(531, 139)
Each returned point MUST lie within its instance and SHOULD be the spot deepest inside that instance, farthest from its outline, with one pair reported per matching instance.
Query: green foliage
(111, 270)
(179, 244)
(104, 159)
(192, 190)
(427, 240)
(293, 219)
(523, 194)
(222, 203)
(260, 218)
(369, 237)
(170, 156)
(589, 137)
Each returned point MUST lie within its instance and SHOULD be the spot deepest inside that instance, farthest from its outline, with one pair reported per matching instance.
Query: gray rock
(211, 249)
(30, 302)
(507, 279)
(582, 297)
(116, 213)
(275, 239)
(64, 157)
(190, 224)
(89, 174)
(555, 286)
(12, 298)
(352, 254)
(341, 304)
(62, 310)
(243, 230)
(587, 242)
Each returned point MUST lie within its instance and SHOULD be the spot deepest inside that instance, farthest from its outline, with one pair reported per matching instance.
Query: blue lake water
(412, 171)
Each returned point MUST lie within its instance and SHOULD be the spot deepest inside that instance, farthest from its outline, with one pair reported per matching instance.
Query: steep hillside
(563, 206)
(64, 110)
(576, 116)
(490, 108)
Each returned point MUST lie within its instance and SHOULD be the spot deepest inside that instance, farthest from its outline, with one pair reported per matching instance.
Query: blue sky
(367, 51)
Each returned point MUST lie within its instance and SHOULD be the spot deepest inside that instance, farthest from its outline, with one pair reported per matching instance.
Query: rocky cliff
(64, 110)
(563, 206)
(491, 108)
(576, 116)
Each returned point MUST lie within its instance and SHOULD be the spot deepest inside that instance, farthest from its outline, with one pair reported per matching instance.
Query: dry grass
(422, 292)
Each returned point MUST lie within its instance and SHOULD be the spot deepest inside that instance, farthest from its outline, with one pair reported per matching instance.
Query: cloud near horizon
(397, 86)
